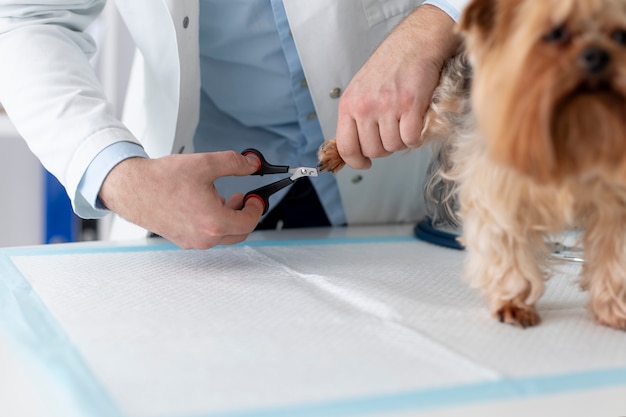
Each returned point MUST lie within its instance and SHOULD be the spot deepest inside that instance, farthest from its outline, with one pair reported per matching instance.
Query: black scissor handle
(264, 193)
(264, 166)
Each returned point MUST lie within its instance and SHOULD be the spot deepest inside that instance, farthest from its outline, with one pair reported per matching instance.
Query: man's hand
(175, 198)
(383, 107)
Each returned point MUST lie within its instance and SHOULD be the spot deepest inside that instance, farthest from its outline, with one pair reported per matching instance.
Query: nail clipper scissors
(263, 193)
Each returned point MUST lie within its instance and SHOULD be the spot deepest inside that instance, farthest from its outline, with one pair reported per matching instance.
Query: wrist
(432, 33)
(121, 179)
(101, 165)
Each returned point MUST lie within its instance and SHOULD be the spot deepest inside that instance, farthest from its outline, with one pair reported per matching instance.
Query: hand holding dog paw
(383, 107)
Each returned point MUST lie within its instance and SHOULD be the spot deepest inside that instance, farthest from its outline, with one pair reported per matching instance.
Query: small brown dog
(534, 143)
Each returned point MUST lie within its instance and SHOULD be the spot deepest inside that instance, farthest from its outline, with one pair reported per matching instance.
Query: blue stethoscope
(424, 230)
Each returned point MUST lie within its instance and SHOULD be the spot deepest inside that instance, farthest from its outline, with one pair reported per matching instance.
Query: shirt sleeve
(50, 90)
(91, 182)
(452, 7)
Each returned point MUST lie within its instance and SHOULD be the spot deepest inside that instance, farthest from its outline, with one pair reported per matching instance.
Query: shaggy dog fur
(529, 127)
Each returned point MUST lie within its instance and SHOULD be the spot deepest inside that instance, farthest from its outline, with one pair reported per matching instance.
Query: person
(215, 77)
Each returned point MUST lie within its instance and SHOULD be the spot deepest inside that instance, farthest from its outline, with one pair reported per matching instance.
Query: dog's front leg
(604, 272)
(505, 268)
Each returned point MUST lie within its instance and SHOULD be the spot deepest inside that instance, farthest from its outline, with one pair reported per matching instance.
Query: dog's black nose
(594, 60)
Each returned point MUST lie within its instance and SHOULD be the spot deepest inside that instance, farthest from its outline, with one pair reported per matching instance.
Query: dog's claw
(329, 158)
(517, 316)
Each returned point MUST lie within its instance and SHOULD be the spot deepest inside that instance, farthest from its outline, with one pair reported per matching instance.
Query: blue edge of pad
(27, 319)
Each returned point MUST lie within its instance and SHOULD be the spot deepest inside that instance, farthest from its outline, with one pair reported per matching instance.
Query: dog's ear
(479, 15)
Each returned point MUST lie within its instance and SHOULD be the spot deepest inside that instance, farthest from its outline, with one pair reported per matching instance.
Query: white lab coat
(334, 38)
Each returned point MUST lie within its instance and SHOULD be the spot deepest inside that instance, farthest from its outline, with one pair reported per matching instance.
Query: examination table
(365, 321)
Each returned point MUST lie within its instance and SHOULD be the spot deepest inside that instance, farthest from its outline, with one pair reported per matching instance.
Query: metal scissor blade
(300, 172)
(566, 252)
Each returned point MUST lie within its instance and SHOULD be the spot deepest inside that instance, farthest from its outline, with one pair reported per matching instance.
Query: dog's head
(549, 88)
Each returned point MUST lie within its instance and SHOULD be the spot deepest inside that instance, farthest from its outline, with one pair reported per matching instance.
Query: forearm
(429, 33)
(49, 88)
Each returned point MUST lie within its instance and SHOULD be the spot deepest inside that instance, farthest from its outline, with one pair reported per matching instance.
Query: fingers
(230, 224)
(349, 144)
(390, 136)
(410, 127)
(372, 145)
(359, 143)
(239, 218)
(229, 163)
(232, 240)
(244, 220)
(375, 126)
(252, 208)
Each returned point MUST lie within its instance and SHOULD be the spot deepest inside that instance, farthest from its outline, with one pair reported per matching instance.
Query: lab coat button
(357, 179)
(335, 92)
(186, 22)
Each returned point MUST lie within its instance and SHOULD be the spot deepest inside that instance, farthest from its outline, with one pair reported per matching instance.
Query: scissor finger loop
(263, 193)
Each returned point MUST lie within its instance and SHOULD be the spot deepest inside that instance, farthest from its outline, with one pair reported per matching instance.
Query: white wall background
(21, 190)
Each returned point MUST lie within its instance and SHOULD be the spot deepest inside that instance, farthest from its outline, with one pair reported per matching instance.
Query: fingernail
(253, 161)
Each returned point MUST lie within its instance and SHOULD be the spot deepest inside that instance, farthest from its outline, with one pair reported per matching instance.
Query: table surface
(39, 379)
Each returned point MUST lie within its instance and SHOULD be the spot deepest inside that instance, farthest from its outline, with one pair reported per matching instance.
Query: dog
(529, 127)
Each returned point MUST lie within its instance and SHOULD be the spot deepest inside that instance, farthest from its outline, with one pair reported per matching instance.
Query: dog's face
(549, 88)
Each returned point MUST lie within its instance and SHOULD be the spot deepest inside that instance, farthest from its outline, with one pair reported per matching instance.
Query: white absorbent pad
(329, 327)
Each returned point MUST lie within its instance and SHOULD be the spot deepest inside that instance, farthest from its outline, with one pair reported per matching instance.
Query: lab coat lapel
(162, 104)
(334, 38)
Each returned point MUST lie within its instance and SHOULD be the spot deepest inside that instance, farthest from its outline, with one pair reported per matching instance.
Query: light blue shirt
(254, 94)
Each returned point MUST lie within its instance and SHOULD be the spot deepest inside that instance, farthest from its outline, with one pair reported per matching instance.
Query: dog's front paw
(613, 321)
(329, 158)
(611, 312)
(521, 316)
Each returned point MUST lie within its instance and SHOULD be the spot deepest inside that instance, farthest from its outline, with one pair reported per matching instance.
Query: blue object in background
(425, 231)
(60, 223)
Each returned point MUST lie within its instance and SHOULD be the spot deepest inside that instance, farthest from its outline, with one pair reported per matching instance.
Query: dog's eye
(619, 36)
(557, 35)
